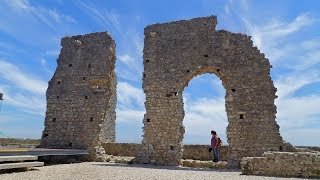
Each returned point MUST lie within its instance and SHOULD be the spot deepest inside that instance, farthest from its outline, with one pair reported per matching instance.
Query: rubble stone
(285, 164)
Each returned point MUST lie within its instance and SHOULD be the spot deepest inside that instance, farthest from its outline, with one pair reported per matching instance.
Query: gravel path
(95, 170)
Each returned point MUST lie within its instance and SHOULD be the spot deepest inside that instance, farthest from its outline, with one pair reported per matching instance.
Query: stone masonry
(287, 164)
(81, 97)
(195, 152)
(176, 52)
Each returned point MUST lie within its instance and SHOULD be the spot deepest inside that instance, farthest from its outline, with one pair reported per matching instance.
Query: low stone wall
(122, 149)
(197, 152)
(200, 152)
(19, 142)
(285, 164)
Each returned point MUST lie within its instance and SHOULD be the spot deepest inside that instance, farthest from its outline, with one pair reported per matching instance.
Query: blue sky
(286, 31)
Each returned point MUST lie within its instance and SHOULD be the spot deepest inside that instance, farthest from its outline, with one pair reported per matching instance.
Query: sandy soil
(95, 170)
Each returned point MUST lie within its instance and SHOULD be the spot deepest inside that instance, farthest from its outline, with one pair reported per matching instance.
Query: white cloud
(19, 4)
(202, 116)
(18, 12)
(130, 112)
(59, 18)
(130, 96)
(311, 44)
(131, 63)
(23, 102)
(303, 137)
(21, 90)
(299, 112)
(130, 116)
(20, 79)
(289, 83)
(271, 37)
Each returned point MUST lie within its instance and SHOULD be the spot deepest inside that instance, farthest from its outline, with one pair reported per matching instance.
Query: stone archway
(174, 53)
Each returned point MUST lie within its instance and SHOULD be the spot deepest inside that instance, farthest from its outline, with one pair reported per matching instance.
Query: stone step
(18, 158)
(21, 165)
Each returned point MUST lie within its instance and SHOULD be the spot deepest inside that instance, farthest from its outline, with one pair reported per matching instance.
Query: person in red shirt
(214, 146)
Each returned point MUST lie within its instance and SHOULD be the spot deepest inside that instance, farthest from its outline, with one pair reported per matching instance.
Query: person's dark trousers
(215, 154)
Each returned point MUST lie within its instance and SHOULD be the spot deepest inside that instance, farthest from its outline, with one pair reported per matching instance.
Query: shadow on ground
(149, 166)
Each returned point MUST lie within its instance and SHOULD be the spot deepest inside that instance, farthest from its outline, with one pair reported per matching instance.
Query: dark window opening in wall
(233, 90)
(91, 119)
(175, 93)
(86, 97)
(70, 144)
(58, 97)
(206, 55)
(280, 148)
(54, 119)
(148, 120)
(58, 81)
(144, 75)
(172, 147)
(241, 116)
(147, 60)
(45, 135)
(187, 71)
(70, 65)
(84, 78)
(89, 65)
(218, 70)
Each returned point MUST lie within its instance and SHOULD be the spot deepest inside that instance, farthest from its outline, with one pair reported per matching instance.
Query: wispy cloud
(130, 111)
(290, 83)
(24, 102)
(202, 116)
(22, 90)
(129, 96)
(272, 36)
(20, 79)
(46, 16)
(105, 18)
(131, 63)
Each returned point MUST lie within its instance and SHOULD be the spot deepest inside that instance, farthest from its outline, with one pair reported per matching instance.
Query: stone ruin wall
(81, 97)
(174, 53)
(196, 152)
(286, 164)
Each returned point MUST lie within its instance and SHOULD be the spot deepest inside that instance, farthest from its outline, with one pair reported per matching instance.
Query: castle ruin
(81, 96)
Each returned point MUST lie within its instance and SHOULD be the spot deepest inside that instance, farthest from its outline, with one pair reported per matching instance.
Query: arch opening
(204, 109)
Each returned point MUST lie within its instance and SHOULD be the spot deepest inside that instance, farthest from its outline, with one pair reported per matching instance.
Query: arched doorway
(176, 52)
(204, 107)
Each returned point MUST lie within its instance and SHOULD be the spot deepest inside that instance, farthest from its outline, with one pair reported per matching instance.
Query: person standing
(214, 146)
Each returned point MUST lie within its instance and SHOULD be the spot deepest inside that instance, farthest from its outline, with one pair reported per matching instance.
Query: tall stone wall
(176, 52)
(81, 97)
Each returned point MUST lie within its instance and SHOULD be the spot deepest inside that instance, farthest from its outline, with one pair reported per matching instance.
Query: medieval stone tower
(81, 96)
